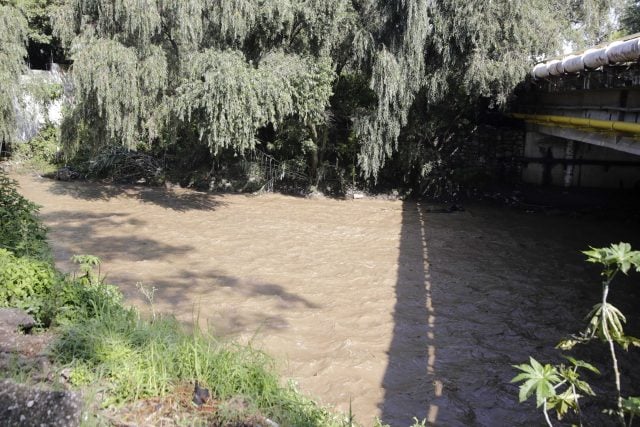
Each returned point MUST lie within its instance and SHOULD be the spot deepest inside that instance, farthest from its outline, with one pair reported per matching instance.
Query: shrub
(80, 297)
(53, 299)
(20, 229)
(559, 387)
(42, 151)
(26, 284)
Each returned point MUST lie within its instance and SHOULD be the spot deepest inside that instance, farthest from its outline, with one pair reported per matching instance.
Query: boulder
(22, 405)
(15, 319)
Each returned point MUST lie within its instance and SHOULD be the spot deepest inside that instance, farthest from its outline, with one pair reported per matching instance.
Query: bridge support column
(569, 154)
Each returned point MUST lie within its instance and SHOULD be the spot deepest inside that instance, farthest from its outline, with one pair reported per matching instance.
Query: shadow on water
(78, 232)
(180, 291)
(176, 199)
(185, 290)
(477, 293)
(409, 378)
(199, 284)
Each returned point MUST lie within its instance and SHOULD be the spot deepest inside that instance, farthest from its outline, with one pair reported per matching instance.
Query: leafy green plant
(132, 357)
(556, 387)
(604, 323)
(20, 230)
(42, 151)
(53, 299)
(26, 284)
(84, 294)
(43, 92)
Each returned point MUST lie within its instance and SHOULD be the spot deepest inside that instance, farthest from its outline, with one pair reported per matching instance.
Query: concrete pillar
(533, 173)
(569, 155)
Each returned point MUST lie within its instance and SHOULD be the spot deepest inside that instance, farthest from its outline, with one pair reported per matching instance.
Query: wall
(622, 172)
(33, 109)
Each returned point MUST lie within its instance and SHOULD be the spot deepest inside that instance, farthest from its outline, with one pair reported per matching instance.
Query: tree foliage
(457, 51)
(12, 53)
(631, 17)
(42, 46)
(226, 68)
(220, 71)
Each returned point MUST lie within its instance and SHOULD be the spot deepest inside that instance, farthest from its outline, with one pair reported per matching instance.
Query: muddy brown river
(383, 305)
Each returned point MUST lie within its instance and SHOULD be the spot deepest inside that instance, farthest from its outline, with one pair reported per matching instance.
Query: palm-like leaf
(536, 379)
(563, 402)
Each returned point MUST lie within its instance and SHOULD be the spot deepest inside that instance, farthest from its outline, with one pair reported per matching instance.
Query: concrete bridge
(582, 114)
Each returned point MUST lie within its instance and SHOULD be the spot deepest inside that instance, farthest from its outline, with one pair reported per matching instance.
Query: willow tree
(13, 37)
(160, 70)
(221, 70)
(453, 52)
(630, 19)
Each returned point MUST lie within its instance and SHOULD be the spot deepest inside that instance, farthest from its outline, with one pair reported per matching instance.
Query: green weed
(137, 358)
(20, 230)
(40, 153)
(26, 284)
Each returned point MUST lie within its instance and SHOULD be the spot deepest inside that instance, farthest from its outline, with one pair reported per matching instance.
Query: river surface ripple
(387, 306)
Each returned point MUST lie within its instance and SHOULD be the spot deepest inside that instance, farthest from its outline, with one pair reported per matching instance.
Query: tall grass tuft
(135, 357)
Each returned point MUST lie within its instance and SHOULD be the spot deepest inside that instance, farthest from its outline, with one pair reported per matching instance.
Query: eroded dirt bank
(401, 311)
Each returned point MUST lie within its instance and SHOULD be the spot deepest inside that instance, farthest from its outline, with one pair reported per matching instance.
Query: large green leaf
(536, 379)
(563, 402)
(582, 364)
(631, 405)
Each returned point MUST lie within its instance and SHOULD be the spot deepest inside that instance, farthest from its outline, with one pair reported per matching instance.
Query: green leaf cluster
(13, 38)
(26, 283)
(40, 152)
(37, 14)
(617, 257)
(547, 382)
(630, 18)
(604, 322)
(51, 298)
(20, 230)
(154, 70)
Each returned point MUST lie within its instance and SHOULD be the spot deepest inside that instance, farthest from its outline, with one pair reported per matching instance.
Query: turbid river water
(383, 305)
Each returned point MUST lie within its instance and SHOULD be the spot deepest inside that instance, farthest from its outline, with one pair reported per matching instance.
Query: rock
(200, 395)
(15, 319)
(22, 405)
(66, 174)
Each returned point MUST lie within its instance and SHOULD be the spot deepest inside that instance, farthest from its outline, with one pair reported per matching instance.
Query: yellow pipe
(606, 125)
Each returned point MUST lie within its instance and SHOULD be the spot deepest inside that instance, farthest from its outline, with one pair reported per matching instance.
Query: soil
(393, 308)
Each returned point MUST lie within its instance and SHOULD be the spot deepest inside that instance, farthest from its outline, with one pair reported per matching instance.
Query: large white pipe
(555, 67)
(540, 71)
(624, 51)
(595, 58)
(573, 64)
(615, 52)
